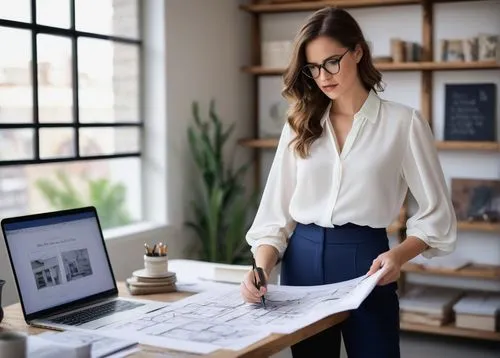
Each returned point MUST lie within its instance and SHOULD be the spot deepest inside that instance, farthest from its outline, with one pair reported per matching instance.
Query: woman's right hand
(248, 290)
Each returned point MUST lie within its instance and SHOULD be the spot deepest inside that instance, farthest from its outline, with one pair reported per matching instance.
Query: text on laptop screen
(58, 260)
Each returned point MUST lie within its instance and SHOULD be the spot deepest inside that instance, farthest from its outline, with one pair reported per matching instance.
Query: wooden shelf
(479, 226)
(262, 71)
(259, 143)
(438, 66)
(316, 5)
(391, 66)
(450, 330)
(459, 145)
(486, 272)
(443, 145)
(346, 4)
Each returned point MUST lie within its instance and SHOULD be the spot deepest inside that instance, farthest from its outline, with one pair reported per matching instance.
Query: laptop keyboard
(93, 313)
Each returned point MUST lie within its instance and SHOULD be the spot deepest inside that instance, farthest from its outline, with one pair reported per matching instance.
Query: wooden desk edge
(277, 342)
(268, 346)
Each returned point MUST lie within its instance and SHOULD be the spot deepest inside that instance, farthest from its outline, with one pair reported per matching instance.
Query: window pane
(16, 91)
(16, 144)
(108, 80)
(113, 186)
(99, 141)
(53, 13)
(57, 143)
(126, 82)
(18, 10)
(113, 17)
(13, 190)
(55, 93)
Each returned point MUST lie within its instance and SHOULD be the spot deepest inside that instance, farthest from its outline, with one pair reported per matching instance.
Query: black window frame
(72, 34)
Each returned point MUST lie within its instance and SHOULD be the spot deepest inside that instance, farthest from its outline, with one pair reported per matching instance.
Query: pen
(262, 281)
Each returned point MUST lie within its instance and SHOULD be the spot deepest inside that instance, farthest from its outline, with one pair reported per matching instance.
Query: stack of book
(429, 305)
(143, 283)
(478, 310)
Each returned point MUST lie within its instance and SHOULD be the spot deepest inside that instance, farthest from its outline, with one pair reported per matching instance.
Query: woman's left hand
(391, 263)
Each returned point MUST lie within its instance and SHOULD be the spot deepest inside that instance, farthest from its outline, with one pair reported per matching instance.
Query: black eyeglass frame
(305, 69)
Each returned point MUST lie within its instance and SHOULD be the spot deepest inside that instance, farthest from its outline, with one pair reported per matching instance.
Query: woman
(343, 165)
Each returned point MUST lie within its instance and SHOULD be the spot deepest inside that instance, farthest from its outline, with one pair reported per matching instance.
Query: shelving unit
(427, 67)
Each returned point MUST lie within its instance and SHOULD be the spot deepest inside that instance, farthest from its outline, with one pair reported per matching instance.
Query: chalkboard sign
(470, 112)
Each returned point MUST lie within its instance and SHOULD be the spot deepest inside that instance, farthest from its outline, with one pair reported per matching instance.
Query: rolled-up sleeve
(434, 221)
(273, 223)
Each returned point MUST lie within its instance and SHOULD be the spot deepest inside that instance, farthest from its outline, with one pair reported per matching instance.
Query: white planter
(156, 265)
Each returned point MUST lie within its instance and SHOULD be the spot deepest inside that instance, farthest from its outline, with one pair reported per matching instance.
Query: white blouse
(389, 150)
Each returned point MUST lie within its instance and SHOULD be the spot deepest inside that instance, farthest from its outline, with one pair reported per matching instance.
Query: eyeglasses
(331, 65)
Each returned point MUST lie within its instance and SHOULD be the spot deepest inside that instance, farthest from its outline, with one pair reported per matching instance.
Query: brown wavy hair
(308, 103)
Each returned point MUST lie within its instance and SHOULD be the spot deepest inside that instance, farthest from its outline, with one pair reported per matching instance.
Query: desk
(14, 320)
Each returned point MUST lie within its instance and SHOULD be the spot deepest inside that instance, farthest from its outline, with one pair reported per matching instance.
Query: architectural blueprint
(219, 319)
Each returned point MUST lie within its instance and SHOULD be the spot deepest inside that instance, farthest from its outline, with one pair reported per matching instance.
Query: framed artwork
(488, 47)
(454, 50)
(471, 49)
(272, 107)
(476, 199)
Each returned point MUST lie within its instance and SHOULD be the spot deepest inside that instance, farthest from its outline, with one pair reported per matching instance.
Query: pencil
(261, 280)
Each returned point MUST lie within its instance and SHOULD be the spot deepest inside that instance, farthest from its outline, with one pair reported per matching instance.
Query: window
(70, 118)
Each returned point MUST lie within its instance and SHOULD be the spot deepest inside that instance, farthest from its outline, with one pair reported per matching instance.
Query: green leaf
(108, 198)
(194, 147)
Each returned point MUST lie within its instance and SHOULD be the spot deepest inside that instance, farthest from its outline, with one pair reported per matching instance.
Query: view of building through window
(108, 93)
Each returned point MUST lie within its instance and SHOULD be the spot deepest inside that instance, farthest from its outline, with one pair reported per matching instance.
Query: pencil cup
(156, 265)
(12, 344)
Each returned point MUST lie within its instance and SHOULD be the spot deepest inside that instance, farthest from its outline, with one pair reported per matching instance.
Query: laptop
(63, 273)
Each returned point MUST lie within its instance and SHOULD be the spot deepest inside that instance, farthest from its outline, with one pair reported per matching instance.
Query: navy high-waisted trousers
(316, 255)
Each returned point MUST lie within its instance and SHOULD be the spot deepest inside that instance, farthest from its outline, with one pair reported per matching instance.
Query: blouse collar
(369, 110)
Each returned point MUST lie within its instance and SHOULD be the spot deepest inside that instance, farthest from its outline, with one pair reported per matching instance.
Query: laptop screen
(58, 259)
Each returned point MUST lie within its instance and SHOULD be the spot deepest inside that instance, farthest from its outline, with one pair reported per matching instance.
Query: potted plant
(222, 207)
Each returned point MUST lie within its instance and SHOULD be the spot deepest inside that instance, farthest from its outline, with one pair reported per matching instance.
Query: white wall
(207, 43)
(194, 51)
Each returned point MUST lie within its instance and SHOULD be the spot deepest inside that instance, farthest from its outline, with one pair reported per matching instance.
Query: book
(75, 344)
(478, 311)
(141, 283)
(137, 290)
(428, 304)
(225, 273)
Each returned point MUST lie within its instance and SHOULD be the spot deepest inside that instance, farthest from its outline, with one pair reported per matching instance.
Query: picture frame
(476, 200)
(471, 49)
(273, 107)
(454, 51)
(489, 47)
